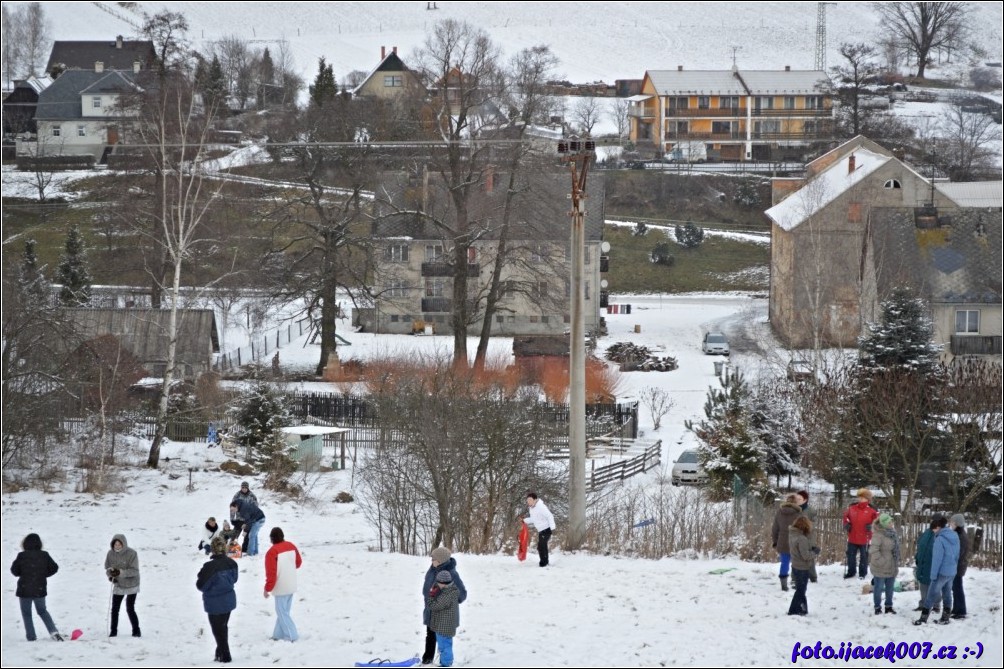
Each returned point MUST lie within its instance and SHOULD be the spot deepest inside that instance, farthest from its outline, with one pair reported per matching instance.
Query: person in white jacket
(543, 521)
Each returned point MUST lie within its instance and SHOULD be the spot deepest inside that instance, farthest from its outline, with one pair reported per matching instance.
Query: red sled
(524, 542)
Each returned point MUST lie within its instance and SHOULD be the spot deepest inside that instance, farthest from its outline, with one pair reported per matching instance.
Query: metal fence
(261, 346)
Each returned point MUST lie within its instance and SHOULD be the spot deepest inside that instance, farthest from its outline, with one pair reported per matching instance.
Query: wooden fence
(650, 457)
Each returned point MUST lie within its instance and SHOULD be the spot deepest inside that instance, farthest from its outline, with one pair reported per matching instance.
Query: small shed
(310, 442)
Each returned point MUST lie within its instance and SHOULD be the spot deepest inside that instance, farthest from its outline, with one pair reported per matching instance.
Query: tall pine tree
(214, 86)
(266, 68)
(31, 279)
(73, 273)
(324, 89)
(902, 337)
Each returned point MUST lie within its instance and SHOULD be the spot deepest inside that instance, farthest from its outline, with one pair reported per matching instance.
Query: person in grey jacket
(958, 523)
(884, 562)
(122, 569)
(443, 604)
(803, 562)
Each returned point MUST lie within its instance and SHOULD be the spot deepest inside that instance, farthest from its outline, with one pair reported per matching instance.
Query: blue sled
(644, 523)
(377, 662)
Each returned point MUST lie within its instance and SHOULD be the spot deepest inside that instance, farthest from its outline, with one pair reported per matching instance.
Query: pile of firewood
(633, 357)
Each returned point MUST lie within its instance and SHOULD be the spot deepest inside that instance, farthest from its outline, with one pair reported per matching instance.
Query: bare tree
(13, 46)
(586, 114)
(965, 149)
(35, 33)
(618, 113)
(923, 27)
(851, 77)
(658, 402)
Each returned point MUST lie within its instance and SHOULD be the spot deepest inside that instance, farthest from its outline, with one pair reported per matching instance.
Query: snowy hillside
(596, 41)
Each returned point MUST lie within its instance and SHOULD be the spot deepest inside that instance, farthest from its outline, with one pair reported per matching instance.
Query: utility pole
(577, 154)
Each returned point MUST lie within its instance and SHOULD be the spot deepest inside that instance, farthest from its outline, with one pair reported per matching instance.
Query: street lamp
(578, 155)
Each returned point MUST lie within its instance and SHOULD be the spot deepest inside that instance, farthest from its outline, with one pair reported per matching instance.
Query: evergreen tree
(215, 86)
(689, 235)
(31, 280)
(730, 446)
(747, 194)
(902, 337)
(259, 412)
(266, 68)
(73, 273)
(324, 89)
(661, 255)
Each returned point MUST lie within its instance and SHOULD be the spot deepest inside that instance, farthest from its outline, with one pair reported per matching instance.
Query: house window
(809, 128)
(967, 321)
(394, 318)
(813, 102)
(397, 288)
(545, 319)
(434, 287)
(509, 288)
(728, 102)
(703, 102)
(789, 101)
(538, 290)
(81, 131)
(433, 253)
(681, 102)
(500, 319)
(767, 127)
(586, 288)
(96, 102)
(397, 253)
(538, 253)
(721, 127)
(393, 81)
(682, 127)
(586, 250)
(892, 183)
(472, 255)
(566, 318)
(57, 130)
(534, 319)
(764, 102)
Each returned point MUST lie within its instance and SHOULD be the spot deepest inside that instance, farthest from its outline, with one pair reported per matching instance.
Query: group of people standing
(872, 542)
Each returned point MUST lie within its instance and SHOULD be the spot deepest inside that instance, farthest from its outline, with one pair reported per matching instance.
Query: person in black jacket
(216, 582)
(958, 523)
(33, 567)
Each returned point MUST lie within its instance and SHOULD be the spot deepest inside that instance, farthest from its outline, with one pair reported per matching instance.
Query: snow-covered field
(356, 603)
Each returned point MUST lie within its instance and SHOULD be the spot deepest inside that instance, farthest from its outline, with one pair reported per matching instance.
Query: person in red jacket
(858, 519)
(281, 562)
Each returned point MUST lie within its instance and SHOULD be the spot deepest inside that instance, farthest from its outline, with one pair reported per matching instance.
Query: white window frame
(57, 131)
(398, 252)
(393, 81)
(81, 131)
(433, 253)
(969, 313)
(434, 287)
(96, 102)
(397, 288)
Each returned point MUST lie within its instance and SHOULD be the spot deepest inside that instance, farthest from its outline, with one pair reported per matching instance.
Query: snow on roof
(983, 194)
(310, 430)
(729, 82)
(798, 82)
(639, 98)
(824, 188)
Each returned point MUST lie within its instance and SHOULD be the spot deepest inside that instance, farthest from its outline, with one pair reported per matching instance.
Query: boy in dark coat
(216, 582)
(783, 519)
(443, 604)
(958, 523)
(922, 563)
(33, 567)
(441, 561)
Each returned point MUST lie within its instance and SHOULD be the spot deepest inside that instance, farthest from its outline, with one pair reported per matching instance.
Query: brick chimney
(851, 164)
(118, 42)
(394, 49)
(99, 66)
(383, 52)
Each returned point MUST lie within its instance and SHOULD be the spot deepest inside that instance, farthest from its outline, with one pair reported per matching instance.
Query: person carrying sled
(543, 521)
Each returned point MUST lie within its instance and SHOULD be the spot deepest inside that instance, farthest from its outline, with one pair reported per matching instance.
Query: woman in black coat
(33, 567)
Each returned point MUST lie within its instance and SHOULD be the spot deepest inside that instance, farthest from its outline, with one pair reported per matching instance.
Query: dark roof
(83, 55)
(392, 63)
(957, 262)
(144, 332)
(540, 209)
(61, 100)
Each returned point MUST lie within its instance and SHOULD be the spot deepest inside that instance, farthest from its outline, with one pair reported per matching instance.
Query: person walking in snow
(216, 582)
(442, 560)
(122, 569)
(884, 562)
(783, 519)
(209, 531)
(944, 565)
(442, 602)
(543, 521)
(958, 523)
(281, 562)
(803, 563)
(33, 567)
(212, 436)
(239, 521)
(858, 519)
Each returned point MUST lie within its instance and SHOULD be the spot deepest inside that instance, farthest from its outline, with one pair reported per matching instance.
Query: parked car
(799, 370)
(687, 470)
(715, 343)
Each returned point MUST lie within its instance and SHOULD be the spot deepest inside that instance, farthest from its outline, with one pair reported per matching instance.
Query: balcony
(791, 113)
(706, 136)
(642, 112)
(975, 345)
(735, 113)
(789, 136)
(437, 305)
(445, 269)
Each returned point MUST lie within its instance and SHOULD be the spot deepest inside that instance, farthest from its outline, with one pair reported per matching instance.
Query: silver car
(715, 343)
(687, 470)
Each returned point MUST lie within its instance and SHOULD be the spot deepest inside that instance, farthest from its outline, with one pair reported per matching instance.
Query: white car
(715, 343)
(687, 470)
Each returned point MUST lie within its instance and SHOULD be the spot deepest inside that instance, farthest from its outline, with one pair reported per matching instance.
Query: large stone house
(80, 113)
(840, 243)
(413, 256)
(697, 115)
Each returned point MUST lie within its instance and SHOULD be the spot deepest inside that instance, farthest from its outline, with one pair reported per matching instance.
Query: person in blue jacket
(442, 560)
(944, 564)
(216, 582)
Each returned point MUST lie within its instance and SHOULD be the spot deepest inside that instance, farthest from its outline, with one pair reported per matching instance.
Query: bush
(985, 79)
(748, 194)
(689, 236)
(640, 229)
(344, 498)
(662, 256)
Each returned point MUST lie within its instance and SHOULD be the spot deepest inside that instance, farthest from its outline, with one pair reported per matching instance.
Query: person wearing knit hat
(216, 581)
(858, 519)
(442, 609)
(944, 565)
(958, 523)
(785, 516)
(442, 563)
(884, 563)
